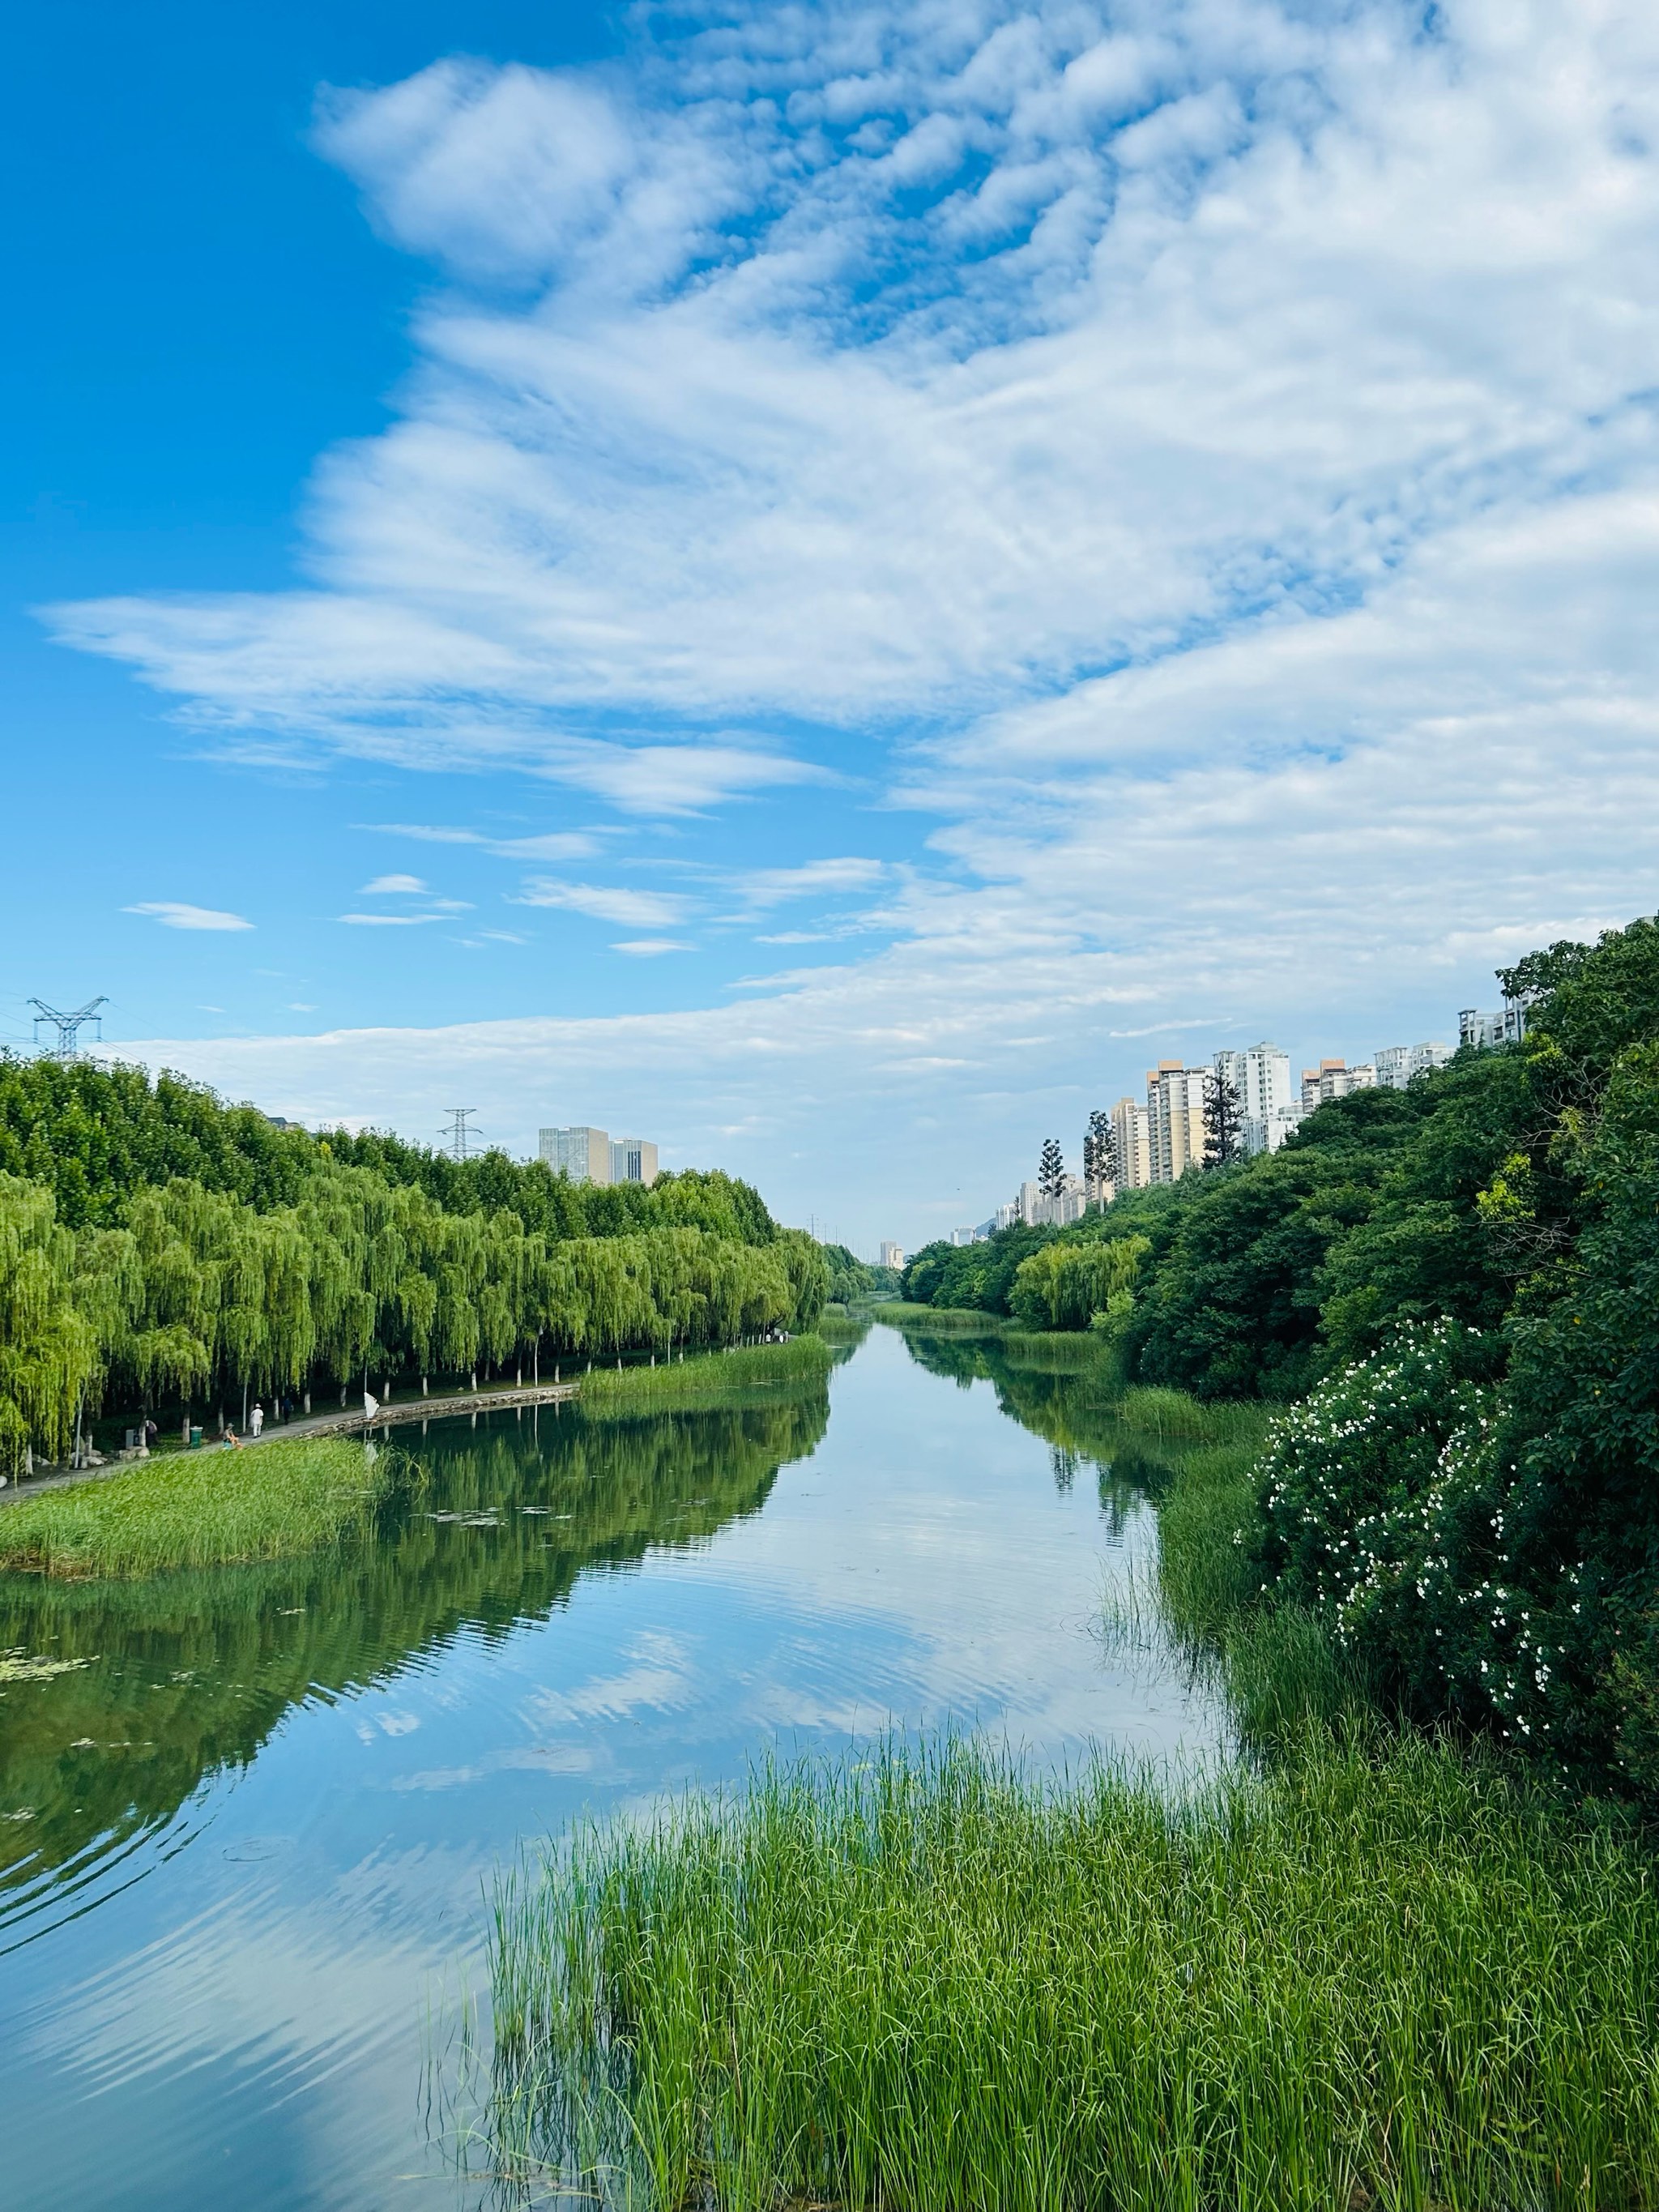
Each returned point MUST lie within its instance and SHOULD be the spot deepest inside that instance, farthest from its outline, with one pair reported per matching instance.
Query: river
(249, 1818)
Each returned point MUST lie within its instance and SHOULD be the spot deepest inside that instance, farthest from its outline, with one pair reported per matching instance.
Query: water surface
(249, 1826)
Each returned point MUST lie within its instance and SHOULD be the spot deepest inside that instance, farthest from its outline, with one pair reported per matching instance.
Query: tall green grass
(1373, 1978)
(713, 1379)
(200, 1509)
(942, 1321)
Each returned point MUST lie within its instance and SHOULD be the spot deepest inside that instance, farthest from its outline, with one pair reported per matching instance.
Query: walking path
(350, 1422)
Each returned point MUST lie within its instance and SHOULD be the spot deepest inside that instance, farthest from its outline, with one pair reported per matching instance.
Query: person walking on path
(256, 1418)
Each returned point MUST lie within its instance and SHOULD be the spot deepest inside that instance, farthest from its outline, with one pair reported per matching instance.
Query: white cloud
(1201, 458)
(649, 948)
(604, 902)
(761, 888)
(389, 884)
(174, 913)
(387, 921)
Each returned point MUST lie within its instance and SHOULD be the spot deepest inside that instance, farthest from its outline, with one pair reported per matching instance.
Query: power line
(456, 1134)
(68, 1026)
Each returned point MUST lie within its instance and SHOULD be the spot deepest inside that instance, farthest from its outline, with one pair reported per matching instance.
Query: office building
(1396, 1063)
(581, 1154)
(1334, 1078)
(1175, 1118)
(893, 1255)
(1132, 1145)
(632, 1159)
(1259, 1077)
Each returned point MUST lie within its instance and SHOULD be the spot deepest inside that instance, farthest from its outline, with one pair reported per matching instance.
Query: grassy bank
(1380, 1976)
(713, 1379)
(198, 1509)
(940, 1320)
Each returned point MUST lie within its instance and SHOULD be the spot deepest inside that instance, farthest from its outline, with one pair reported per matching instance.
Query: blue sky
(825, 583)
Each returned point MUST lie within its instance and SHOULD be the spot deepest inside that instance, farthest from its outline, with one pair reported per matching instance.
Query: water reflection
(266, 1807)
(165, 1680)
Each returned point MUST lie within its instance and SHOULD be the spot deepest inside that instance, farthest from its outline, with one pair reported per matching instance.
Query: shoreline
(313, 1424)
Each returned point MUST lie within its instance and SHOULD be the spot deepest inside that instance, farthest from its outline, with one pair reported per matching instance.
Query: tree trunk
(423, 1388)
(307, 1403)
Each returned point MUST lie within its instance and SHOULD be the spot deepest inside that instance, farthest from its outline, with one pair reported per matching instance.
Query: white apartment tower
(1175, 1118)
(1131, 1144)
(893, 1255)
(1334, 1078)
(1261, 1079)
(1396, 1063)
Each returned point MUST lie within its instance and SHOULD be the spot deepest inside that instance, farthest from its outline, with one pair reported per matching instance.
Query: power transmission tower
(68, 1026)
(457, 1138)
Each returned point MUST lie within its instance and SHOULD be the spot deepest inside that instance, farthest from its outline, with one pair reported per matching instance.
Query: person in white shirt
(256, 1418)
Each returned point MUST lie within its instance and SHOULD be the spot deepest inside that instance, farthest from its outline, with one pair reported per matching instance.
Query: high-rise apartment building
(1396, 1063)
(1483, 1031)
(893, 1255)
(632, 1159)
(1334, 1078)
(1132, 1145)
(1175, 1118)
(1259, 1077)
(582, 1153)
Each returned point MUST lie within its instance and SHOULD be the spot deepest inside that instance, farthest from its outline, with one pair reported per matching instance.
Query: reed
(938, 1321)
(1376, 1976)
(200, 1509)
(709, 1379)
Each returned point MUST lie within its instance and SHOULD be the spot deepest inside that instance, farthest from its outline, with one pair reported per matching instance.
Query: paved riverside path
(349, 1422)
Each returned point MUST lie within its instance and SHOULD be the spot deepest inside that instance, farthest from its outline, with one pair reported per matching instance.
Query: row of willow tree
(195, 1294)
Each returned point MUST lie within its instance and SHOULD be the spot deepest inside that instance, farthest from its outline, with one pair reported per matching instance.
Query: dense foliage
(1458, 1284)
(287, 1260)
(852, 1279)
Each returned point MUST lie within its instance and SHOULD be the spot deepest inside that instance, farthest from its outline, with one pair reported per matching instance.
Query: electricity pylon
(68, 1026)
(455, 1132)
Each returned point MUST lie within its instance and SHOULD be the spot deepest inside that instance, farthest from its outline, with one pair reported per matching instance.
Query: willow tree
(51, 1359)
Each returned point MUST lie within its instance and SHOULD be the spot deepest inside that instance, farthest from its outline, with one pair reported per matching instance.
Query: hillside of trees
(1454, 1292)
(159, 1248)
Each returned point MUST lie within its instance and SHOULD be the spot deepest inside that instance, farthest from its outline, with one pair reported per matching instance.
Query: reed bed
(939, 1321)
(713, 1378)
(1383, 1977)
(201, 1509)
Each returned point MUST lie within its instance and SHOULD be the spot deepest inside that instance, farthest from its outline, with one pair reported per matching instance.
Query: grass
(944, 1320)
(713, 1379)
(1377, 1976)
(198, 1509)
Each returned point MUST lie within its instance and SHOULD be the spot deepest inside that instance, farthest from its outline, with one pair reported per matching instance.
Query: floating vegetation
(29, 1666)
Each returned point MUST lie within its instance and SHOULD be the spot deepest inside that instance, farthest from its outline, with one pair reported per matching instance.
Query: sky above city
(824, 584)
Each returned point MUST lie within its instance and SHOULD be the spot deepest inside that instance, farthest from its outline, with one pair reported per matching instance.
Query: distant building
(1483, 1031)
(893, 1255)
(1132, 1145)
(1175, 1117)
(1334, 1078)
(632, 1159)
(1396, 1063)
(1037, 1212)
(582, 1153)
(1260, 1078)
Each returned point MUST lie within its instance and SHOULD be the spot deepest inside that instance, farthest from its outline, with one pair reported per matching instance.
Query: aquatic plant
(200, 1509)
(1379, 1975)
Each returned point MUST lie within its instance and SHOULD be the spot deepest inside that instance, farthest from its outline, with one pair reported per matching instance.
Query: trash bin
(195, 1434)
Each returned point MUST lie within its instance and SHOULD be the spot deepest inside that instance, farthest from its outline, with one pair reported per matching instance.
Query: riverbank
(1378, 1975)
(200, 1509)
